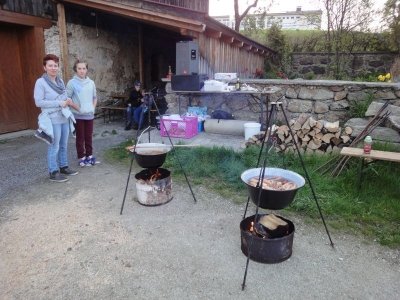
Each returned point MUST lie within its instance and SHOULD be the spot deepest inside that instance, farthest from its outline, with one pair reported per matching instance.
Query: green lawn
(374, 211)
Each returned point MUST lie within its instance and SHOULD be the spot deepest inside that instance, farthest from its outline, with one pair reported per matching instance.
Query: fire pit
(266, 250)
(154, 186)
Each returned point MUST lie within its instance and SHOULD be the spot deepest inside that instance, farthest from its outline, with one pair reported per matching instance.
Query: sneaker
(91, 161)
(44, 137)
(83, 161)
(57, 177)
(68, 171)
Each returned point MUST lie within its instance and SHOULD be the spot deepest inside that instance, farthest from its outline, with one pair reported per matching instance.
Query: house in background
(122, 40)
(299, 19)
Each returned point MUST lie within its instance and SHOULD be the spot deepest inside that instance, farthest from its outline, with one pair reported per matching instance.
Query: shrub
(309, 75)
(358, 108)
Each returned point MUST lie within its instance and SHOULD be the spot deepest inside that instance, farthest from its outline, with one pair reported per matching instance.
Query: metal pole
(308, 178)
(175, 154)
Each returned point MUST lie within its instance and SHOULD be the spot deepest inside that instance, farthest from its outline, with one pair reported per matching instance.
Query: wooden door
(13, 110)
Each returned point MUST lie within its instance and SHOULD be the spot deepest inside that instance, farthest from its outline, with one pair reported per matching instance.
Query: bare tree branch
(239, 17)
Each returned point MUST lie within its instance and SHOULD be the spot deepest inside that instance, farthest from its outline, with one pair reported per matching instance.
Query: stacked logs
(310, 135)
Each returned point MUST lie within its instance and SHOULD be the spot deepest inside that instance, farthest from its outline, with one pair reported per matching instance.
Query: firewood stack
(310, 135)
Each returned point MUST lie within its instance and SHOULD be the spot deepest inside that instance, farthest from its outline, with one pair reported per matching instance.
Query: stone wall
(112, 58)
(322, 99)
(356, 64)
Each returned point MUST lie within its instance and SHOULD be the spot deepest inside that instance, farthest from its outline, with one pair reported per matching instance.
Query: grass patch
(358, 108)
(374, 211)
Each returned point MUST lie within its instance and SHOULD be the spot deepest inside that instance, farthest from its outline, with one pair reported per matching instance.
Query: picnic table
(262, 97)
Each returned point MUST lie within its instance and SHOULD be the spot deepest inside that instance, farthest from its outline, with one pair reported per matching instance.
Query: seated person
(134, 102)
(141, 110)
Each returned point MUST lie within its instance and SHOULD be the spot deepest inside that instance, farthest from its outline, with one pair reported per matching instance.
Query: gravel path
(68, 241)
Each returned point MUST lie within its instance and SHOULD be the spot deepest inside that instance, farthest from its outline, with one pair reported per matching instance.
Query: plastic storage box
(184, 128)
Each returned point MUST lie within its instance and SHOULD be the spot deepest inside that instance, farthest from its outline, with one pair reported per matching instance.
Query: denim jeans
(57, 155)
(130, 110)
(139, 115)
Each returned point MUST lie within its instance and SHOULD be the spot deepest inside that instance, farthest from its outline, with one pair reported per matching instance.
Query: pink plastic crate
(186, 128)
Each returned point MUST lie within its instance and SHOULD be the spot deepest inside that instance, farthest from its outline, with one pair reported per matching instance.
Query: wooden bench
(111, 111)
(114, 106)
(368, 158)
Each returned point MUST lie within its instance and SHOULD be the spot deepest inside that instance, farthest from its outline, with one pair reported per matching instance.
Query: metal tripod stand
(152, 103)
(267, 140)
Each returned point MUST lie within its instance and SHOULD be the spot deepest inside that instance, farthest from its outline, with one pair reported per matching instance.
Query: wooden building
(157, 25)
(21, 53)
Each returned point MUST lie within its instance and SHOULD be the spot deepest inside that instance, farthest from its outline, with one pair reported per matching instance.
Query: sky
(225, 7)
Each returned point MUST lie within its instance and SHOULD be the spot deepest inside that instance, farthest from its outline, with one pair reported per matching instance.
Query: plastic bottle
(367, 144)
(237, 84)
(169, 75)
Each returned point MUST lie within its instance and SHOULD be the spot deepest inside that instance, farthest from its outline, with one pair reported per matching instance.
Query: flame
(251, 227)
(155, 175)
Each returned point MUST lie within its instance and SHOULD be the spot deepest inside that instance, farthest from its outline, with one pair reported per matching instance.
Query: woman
(50, 95)
(82, 90)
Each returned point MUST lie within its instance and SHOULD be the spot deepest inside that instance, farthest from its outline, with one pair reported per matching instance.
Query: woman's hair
(50, 57)
(80, 61)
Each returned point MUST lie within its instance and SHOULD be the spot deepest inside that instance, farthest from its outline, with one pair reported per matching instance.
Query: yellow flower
(388, 76)
(381, 78)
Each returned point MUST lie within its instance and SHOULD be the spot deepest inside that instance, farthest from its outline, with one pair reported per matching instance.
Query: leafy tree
(391, 14)
(276, 40)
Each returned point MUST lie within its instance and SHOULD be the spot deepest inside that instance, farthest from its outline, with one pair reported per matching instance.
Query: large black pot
(271, 199)
(262, 250)
(151, 155)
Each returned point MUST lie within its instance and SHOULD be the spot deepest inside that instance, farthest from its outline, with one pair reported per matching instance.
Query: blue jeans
(57, 156)
(139, 115)
(130, 114)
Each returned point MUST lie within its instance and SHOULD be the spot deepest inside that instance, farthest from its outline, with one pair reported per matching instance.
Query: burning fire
(155, 175)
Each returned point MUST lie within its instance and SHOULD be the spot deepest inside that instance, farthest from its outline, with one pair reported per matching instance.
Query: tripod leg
(245, 271)
(175, 155)
(127, 183)
(308, 178)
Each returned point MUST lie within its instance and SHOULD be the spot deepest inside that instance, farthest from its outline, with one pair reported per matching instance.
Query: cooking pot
(151, 155)
(272, 199)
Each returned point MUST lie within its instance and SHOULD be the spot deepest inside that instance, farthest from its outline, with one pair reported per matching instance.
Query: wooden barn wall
(38, 8)
(219, 57)
(185, 8)
(197, 5)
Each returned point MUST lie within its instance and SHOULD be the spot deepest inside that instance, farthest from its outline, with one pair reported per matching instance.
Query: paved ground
(68, 241)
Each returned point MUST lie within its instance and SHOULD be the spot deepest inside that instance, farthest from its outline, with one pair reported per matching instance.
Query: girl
(82, 90)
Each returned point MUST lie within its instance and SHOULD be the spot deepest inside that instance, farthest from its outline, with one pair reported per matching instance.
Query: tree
(345, 17)
(277, 41)
(391, 15)
(239, 17)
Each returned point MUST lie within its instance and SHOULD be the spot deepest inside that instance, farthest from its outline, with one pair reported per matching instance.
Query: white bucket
(251, 129)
